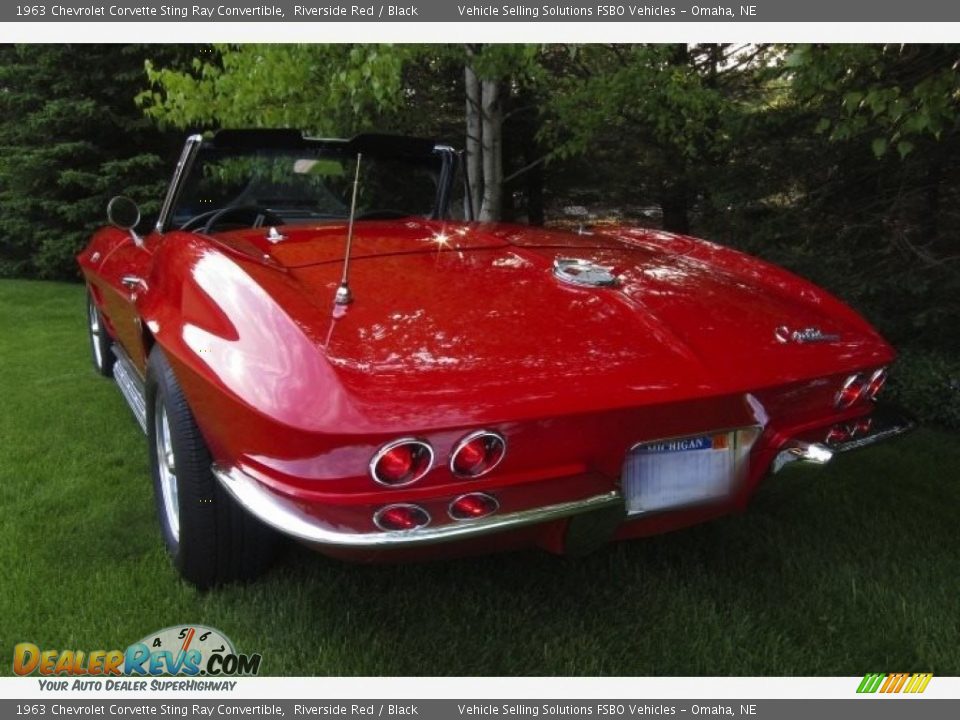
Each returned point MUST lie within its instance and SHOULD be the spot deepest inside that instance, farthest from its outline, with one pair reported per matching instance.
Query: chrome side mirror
(123, 213)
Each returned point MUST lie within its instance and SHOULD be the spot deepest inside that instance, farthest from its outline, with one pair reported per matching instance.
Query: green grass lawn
(834, 571)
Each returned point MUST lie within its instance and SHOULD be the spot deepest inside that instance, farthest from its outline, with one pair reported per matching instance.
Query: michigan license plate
(668, 474)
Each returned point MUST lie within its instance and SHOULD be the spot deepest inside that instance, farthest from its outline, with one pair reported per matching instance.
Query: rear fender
(242, 360)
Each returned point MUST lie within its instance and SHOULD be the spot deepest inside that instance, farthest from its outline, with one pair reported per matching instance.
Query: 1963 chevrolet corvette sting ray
(317, 349)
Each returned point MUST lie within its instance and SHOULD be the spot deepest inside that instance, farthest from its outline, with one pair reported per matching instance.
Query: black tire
(101, 346)
(209, 537)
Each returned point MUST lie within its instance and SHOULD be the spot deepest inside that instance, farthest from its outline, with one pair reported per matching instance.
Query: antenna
(344, 296)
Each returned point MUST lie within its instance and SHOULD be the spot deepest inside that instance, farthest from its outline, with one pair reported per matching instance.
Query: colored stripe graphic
(870, 682)
(891, 683)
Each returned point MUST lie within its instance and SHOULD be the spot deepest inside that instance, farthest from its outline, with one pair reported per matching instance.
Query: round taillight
(477, 454)
(861, 426)
(473, 506)
(875, 384)
(850, 391)
(401, 462)
(401, 517)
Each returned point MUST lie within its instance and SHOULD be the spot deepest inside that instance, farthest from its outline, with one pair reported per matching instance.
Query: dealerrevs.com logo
(190, 650)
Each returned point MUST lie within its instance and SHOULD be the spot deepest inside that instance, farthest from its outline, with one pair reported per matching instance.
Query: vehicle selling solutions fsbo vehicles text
(601, 11)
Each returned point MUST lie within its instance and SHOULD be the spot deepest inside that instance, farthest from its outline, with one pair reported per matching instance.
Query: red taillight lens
(401, 517)
(875, 384)
(861, 426)
(471, 457)
(850, 391)
(477, 454)
(473, 506)
(401, 462)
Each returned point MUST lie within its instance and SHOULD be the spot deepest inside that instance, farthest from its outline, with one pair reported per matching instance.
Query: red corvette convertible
(316, 347)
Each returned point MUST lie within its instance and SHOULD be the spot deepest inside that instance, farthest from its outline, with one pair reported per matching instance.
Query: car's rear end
(587, 412)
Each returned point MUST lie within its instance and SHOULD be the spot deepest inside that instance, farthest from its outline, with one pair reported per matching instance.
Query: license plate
(667, 474)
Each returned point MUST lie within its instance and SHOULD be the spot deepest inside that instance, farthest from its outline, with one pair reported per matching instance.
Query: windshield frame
(388, 146)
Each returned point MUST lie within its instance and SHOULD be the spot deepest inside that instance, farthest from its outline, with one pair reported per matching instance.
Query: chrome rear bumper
(284, 516)
(882, 424)
(288, 518)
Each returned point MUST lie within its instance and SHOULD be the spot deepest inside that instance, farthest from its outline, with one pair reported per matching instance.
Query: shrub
(927, 384)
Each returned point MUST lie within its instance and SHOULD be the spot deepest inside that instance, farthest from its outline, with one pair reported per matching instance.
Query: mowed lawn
(835, 571)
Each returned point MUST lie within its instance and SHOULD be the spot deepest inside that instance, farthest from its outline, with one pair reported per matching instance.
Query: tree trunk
(535, 213)
(674, 202)
(492, 143)
(675, 192)
(474, 161)
(930, 222)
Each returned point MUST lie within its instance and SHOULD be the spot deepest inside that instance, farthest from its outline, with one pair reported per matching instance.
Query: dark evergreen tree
(71, 136)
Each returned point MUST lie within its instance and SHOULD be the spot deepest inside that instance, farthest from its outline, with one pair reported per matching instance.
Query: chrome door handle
(132, 282)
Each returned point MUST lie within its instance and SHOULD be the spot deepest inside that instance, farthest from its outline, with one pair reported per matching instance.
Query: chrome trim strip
(131, 385)
(284, 515)
(187, 155)
(390, 446)
(378, 515)
(473, 436)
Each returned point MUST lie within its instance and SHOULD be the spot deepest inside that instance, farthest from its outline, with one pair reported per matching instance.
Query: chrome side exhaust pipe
(815, 453)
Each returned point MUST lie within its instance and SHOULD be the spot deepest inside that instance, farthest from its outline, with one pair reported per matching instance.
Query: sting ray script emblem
(806, 335)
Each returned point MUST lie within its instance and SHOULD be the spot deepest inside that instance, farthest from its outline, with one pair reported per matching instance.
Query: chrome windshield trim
(285, 516)
(190, 148)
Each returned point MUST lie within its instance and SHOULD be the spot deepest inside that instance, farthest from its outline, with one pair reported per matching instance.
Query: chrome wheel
(167, 469)
(95, 330)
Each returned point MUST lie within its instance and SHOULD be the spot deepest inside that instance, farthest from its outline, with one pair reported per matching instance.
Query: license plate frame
(684, 471)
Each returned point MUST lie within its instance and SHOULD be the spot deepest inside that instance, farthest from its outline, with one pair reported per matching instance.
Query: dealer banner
(475, 709)
(480, 11)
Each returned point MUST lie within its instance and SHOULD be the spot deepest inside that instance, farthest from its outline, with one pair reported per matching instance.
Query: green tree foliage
(671, 112)
(891, 95)
(838, 161)
(70, 138)
(327, 89)
(881, 226)
(344, 89)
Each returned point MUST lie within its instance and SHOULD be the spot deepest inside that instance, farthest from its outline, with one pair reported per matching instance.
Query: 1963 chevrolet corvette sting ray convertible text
(316, 348)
